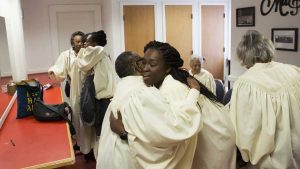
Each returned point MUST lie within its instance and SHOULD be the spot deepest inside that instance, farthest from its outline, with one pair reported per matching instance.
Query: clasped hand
(116, 124)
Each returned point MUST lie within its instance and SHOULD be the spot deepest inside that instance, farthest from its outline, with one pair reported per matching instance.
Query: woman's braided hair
(172, 59)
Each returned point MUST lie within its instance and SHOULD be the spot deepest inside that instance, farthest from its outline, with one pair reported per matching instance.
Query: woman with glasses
(144, 107)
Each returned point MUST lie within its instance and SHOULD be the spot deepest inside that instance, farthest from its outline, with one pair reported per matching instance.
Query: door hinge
(192, 52)
(223, 49)
(191, 16)
(123, 17)
(223, 15)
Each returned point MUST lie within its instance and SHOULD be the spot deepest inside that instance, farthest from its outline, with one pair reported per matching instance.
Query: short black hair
(125, 63)
(99, 38)
(75, 34)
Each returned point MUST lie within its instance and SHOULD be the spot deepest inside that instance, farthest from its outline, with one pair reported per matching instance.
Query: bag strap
(72, 129)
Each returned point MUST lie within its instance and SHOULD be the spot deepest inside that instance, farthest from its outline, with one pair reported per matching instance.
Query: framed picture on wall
(245, 16)
(285, 38)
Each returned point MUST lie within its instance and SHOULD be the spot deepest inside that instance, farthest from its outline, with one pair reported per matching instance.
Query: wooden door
(138, 27)
(179, 29)
(213, 39)
(69, 22)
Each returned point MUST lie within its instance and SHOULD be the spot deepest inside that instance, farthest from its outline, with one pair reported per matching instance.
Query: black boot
(90, 156)
(76, 147)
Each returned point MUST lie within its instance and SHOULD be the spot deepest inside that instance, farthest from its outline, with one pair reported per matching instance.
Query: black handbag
(88, 102)
(53, 112)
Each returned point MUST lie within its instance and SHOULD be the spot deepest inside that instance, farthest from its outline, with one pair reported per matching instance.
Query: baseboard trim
(8, 74)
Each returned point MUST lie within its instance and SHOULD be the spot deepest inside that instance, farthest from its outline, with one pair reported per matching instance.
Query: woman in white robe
(265, 106)
(64, 63)
(67, 65)
(94, 58)
(88, 58)
(201, 74)
(97, 59)
(216, 140)
(140, 106)
(161, 70)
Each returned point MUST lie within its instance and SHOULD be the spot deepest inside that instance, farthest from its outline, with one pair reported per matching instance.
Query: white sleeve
(104, 79)
(153, 120)
(60, 67)
(88, 57)
(254, 120)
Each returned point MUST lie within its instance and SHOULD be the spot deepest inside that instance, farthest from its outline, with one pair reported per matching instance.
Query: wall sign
(284, 7)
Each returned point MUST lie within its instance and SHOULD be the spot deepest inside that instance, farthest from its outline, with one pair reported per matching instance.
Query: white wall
(38, 38)
(37, 31)
(4, 55)
(110, 24)
(263, 24)
(38, 34)
(11, 11)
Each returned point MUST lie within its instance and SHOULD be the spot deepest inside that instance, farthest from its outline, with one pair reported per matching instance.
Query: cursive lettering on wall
(284, 7)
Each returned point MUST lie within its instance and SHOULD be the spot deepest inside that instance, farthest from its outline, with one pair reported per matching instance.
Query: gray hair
(255, 48)
(196, 57)
(125, 63)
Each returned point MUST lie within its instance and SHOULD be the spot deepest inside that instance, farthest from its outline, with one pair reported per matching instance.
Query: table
(27, 143)
(4, 101)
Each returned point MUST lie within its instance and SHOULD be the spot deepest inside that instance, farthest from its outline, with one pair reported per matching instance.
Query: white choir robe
(104, 79)
(85, 136)
(104, 73)
(206, 78)
(160, 134)
(66, 65)
(265, 110)
(63, 65)
(216, 148)
(62, 68)
(216, 140)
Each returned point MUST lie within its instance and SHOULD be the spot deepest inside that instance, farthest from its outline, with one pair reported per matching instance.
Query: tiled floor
(80, 163)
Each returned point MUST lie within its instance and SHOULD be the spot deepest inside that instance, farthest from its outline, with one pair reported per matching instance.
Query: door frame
(156, 28)
(227, 33)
